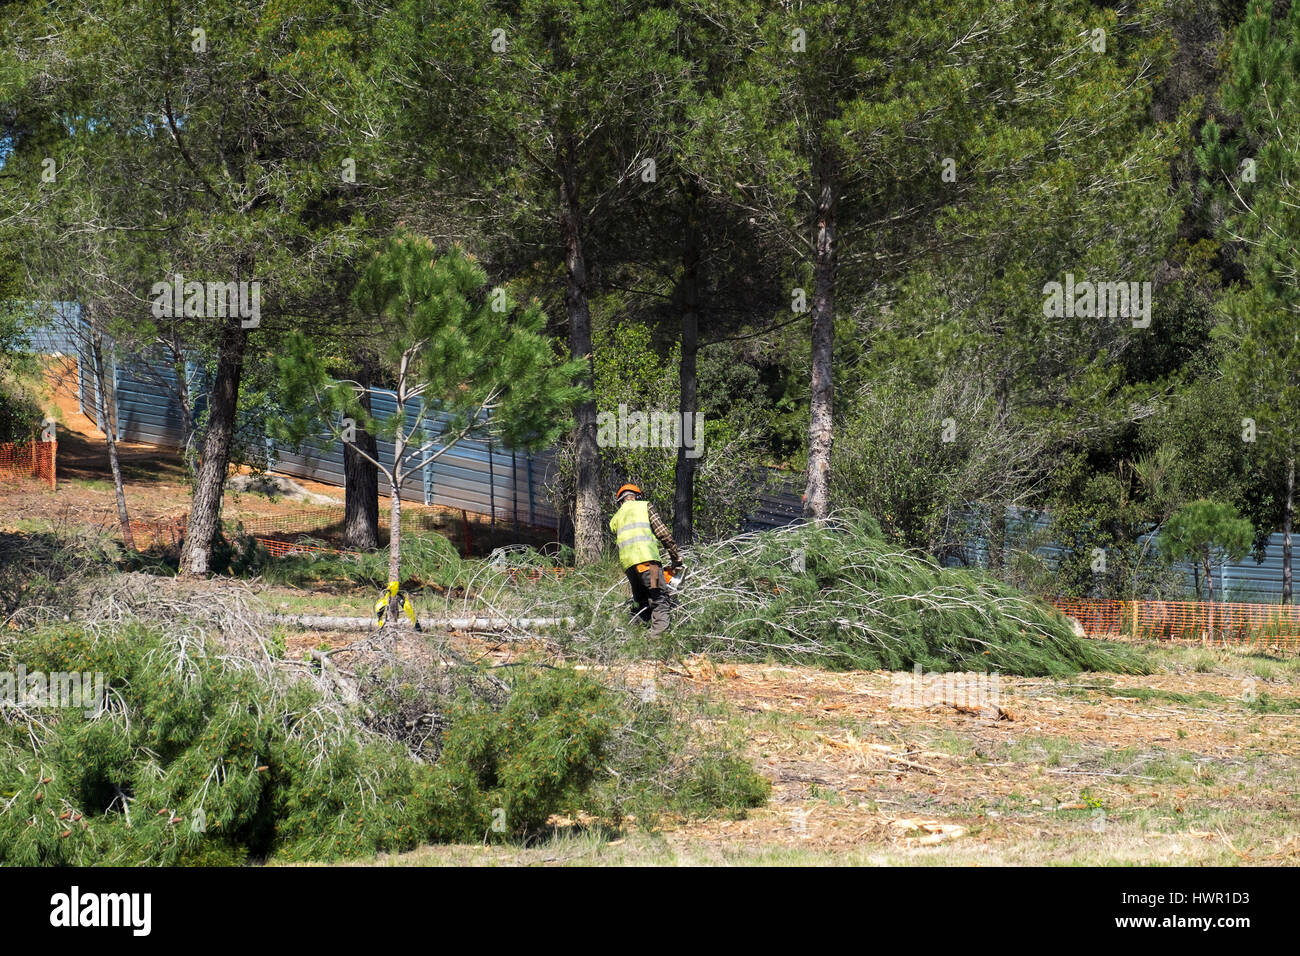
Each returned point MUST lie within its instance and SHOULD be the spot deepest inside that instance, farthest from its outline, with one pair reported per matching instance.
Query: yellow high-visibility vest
(637, 543)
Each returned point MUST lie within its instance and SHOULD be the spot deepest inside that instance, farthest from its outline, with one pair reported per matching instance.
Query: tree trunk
(684, 483)
(587, 514)
(184, 401)
(997, 537)
(1288, 509)
(223, 400)
(108, 417)
(361, 477)
(395, 488)
(395, 508)
(820, 434)
(394, 549)
(998, 525)
(1209, 577)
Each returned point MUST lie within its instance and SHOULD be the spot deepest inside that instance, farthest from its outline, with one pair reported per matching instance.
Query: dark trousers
(650, 597)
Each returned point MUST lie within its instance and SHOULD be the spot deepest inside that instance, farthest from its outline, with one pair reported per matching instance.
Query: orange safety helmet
(624, 489)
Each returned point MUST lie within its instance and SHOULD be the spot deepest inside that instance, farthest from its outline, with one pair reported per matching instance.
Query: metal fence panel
(148, 409)
(58, 335)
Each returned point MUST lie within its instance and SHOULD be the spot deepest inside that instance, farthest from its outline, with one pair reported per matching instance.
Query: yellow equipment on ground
(381, 606)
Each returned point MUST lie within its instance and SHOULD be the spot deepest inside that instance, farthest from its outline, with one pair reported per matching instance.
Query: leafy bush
(20, 411)
(200, 755)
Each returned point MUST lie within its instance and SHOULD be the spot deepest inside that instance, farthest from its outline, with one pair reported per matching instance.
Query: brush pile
(839, 595)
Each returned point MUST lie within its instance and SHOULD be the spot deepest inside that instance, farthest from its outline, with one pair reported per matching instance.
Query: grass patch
(1266, 703)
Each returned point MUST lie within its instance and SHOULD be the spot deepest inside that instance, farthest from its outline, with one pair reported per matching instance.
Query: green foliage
(1198, 440)
(532, 758)
(471, 357)
(912, 456)
(1101, 522)
(199, 756)
(1253, 174)
(726, 782)
(1202, 529)
(1202, 526)
(630, 373)
(441, 339)
(840, 595)
(20, 413)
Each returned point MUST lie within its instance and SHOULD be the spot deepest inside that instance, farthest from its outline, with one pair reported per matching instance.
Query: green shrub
(20, 411)
(533, 757)
(203, 756)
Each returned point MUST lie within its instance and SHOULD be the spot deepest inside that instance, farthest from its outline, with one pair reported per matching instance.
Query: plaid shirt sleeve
(663, 534)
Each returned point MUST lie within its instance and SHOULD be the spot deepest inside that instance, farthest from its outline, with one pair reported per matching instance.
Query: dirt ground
(154, 479)
(1083, 769)
(1196, 765)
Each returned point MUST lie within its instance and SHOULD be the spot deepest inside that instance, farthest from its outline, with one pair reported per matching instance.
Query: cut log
(312, 622)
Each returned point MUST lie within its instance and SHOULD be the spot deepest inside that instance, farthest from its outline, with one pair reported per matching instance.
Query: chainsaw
(674, 579)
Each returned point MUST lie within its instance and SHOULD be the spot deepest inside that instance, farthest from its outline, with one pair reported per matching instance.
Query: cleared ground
(1195, 765)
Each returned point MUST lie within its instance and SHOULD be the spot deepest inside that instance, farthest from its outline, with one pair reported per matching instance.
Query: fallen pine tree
(838, 594)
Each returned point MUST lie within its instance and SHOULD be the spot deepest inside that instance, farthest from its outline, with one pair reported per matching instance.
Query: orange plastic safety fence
(1098, 618)
(281, 549)
(1265, 625)
(29, 459)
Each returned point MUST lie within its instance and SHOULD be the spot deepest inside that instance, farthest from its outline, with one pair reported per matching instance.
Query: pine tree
(449, 348)
(1257, 173)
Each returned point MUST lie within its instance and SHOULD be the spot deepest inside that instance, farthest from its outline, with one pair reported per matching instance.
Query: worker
(636, 525)
(381, 606)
